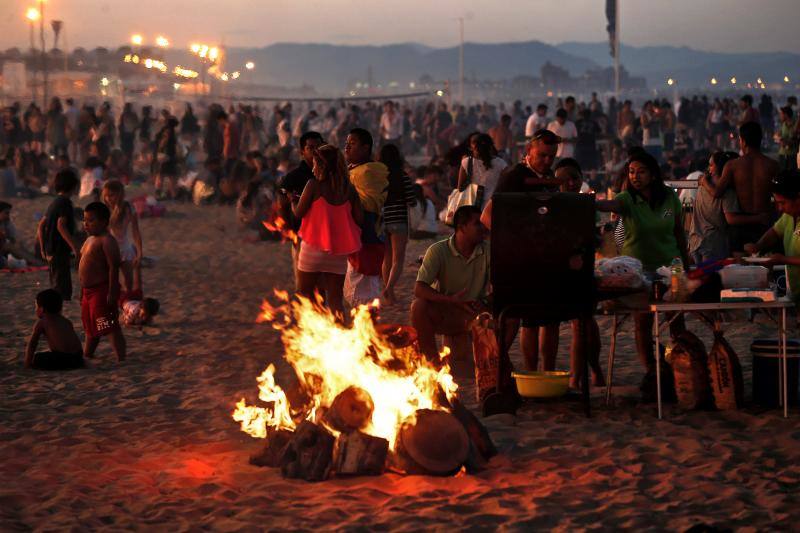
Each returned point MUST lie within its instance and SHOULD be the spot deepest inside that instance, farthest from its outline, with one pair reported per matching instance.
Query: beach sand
(150, 443)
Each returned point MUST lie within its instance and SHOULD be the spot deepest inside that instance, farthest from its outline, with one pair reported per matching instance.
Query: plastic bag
(486, 353)
(620, 272)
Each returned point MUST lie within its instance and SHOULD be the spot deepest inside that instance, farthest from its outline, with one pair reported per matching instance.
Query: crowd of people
(337, 180)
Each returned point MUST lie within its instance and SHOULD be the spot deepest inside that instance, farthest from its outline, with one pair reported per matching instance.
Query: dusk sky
(717, 25)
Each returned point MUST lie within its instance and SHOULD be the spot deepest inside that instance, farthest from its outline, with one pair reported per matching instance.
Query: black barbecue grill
(542, 270)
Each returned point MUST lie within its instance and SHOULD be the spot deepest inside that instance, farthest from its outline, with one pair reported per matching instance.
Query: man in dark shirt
(293, 183)
(533, 175)
(56, 233)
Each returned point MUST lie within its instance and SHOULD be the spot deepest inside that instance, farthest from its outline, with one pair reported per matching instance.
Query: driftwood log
(272, 454)
(351, 410)
(431, 443)
(481, 447)
(357, 453)
(309, 455)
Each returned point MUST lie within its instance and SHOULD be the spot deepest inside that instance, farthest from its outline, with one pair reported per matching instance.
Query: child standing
(56, 233)
(99, 276)
(65, 347)
(124, 227)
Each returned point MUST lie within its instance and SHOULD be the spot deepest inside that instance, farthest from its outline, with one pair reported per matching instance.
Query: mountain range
(331, 69)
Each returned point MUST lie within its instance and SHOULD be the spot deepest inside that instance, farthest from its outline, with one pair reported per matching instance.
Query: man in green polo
(452, 281)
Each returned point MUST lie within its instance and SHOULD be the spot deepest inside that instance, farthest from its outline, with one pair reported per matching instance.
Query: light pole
(32, 15)
(461, 60)
(44, 55)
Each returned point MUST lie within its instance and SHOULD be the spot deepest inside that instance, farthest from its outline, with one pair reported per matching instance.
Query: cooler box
(766, 361)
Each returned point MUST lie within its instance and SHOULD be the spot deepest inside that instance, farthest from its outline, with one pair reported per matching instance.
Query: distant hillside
(692, 68)
(331, 68)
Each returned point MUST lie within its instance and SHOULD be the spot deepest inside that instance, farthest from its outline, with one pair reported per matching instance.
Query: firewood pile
(438, 442)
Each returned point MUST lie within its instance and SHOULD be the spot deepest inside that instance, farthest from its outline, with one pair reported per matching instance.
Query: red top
(331, 228)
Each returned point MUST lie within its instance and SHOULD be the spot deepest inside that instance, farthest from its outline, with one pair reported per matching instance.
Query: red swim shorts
(98, 318)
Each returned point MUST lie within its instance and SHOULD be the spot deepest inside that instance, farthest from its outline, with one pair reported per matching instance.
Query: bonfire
(363, 390)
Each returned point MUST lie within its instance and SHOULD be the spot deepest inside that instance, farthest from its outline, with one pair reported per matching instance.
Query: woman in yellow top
(651, 213)
(786, 192)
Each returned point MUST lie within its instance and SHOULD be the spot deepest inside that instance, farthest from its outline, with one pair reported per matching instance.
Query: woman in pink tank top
(330, 214)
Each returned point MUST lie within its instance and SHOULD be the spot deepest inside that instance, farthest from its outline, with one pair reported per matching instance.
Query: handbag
(471, 195)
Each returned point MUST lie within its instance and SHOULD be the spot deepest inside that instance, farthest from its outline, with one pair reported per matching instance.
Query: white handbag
(458, 198)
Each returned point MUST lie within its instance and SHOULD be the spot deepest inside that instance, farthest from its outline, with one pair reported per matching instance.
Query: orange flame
(279, 225)
(328, 357)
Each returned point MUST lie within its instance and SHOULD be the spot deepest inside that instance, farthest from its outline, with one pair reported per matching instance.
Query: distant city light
(137, 39)
(733, 80)
(713, 81)
(104, 82)
(213, 53)
(32, 14)
(176, 86)
(224, 77)
(786, 79)
(249, 65)
(195, 48)
(440, 93)
(162, 41)
(236, 75)
(758, 81)
(670, 82)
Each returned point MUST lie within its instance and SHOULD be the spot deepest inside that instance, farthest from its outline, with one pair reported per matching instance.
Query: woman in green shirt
(651, 214)
(786, 192)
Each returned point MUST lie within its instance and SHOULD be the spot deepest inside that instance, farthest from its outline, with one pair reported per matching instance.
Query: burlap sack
(689, 364)
(725, 371)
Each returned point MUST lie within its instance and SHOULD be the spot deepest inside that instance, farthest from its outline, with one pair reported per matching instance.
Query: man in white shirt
(391, 126)
(537, 121)
(567, 131)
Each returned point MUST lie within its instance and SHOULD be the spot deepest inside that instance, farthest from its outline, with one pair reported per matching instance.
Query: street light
(670, 82)
(713, 81)
(162, 41)
(786, 79)
(32, 15)
(136, 39)
(249, 65)
(733, 80)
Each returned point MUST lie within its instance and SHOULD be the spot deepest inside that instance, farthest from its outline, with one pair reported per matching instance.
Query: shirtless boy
(99, 275)
(751, 178)
(65, 346)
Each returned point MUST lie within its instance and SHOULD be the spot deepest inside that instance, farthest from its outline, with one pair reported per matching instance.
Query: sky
(713, 25)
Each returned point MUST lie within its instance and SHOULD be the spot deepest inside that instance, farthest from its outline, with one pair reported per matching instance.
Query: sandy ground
(150, 444)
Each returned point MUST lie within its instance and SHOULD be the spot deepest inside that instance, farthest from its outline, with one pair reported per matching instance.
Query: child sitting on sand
(99, 275)
(65, 347)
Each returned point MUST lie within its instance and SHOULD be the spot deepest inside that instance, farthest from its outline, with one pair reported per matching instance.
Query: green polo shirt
(449, 272)
(786, 227)
(650, 233)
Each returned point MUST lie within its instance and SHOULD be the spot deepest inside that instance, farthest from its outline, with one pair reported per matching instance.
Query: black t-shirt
(513, 180)
(54, 243)
(588, 130)
(293, 183)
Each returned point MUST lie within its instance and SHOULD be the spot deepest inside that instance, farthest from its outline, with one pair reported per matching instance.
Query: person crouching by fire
(452, 283)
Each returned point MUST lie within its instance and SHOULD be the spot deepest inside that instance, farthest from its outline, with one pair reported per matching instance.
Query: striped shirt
(400, 196)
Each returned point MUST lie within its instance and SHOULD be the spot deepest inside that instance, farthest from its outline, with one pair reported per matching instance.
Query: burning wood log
(431, 443)
(309, 455)
(271, 455)
(351, 410)
(357, 453)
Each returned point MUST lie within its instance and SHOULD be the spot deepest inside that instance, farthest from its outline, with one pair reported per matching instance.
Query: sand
(150, 444)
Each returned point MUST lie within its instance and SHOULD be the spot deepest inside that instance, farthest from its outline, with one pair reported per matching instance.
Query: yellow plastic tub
(542, 384)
